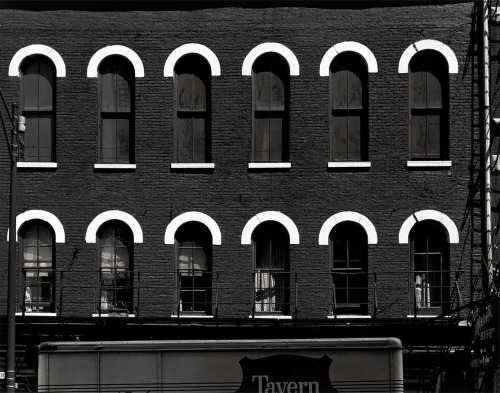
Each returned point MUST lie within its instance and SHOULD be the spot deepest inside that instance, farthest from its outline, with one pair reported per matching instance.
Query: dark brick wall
(388, 193)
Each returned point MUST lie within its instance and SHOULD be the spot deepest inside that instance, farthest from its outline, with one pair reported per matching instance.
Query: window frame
(45, 270)
(195, 65)
(127, 72)
(274, 61)
(282, 308)
(129, 284)
(32, 161)
(346, 231)
(197, 231)
(350, 62)
(429, 230)
(430, 62)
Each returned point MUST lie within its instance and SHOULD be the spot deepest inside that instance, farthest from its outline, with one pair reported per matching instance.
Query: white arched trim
(324, 233)
(21, 54)
(347, 46)
(422, 215)
(41, 215)
(246, 235)
(198, 49)
(93, 67)
(193, 216)
(96, 223)
(266, 47)
(413, 49)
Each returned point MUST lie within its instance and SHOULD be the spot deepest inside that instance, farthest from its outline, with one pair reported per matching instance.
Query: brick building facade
(325, 190)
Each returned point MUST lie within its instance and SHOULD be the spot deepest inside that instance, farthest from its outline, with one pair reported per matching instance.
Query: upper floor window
(349, 264)
(116, 267)
(192, 109)
(429, 106)
(271, 268)
(116, 108)
(194, 268)
(270, 137)
(38, 106)
(429, 268)
(38, 263)
(349, 108)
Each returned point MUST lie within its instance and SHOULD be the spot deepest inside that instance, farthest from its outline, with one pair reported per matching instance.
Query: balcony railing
(262, 293)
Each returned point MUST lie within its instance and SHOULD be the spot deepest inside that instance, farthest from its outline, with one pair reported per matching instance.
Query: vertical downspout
(487, 142)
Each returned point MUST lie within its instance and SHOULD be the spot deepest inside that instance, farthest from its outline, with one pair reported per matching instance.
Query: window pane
(339, 89)
(340, 254)
(418, 136)
(261, 130)
(122, 258)
(185, 258)
(275, 143)
(198, 140)
(199, 94)
(46, 88)
(45, 255)
(339, 137)
(200, 259)
(418, 90)
(108, 140)
(262, 90)
(123, 94)
(108, 92)
(30, 254)
(262, 258)
(185, 91)
(30, 80)
(31, 137)
(277, 90)
(31, 236)
(44, 137)
(433, 135)
(354, 140)
(355, 91)
(123, 140)
(434, 99)
(107, 256)
(185, 140)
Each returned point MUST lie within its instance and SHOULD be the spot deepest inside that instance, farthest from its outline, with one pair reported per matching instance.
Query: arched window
(429, 268)
(429, 124)
(270, 138)
(116, 107)
(194, 269)
(38, 107)
(349, 108)
(271, 268)
(192, 110)
(38, 264)
(349, 264)
(116, 268)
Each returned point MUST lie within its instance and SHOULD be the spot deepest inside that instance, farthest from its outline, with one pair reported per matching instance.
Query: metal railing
(226, 294)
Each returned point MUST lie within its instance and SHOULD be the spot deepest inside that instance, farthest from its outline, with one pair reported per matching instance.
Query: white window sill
(428, 164)
(349, 164)
(422, 316)
(115, 166)
(269, 165)
(194, 165)
(192, 316)
(37, 314)
(268, 316)
(23, 164)
(349, 316)
(113, 315)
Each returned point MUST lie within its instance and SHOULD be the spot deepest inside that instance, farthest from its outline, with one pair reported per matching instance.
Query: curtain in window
(116, 84)
(38, 107)
(428, 106)
(348, 101)
(192, 86)
(115, 268)
(270, 105)
(37, 261)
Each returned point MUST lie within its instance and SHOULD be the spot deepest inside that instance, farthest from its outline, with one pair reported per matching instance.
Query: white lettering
(278, 384)
(260, 378)
(292, 385)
